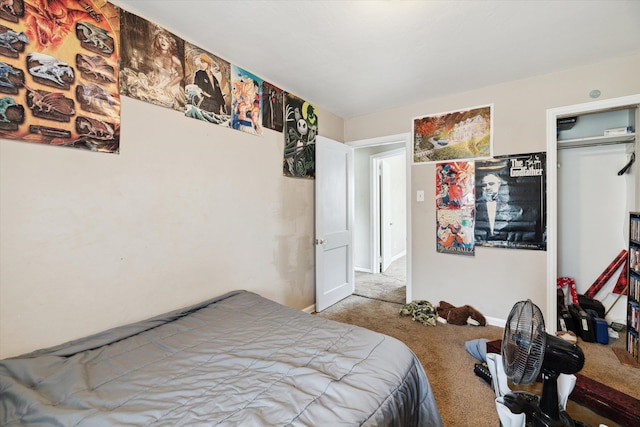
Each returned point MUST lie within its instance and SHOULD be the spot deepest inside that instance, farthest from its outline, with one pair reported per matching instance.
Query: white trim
(381, 140)
(311, 309)
(494, 321)
(552, 189)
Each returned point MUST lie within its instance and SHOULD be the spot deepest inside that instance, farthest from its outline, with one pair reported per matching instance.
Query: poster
(455, 208)
(272, 107)
(152, 63)
(301, 129)
(510, 202)
(207, 84)
(246, 101)
(457, 135)
(59, 73)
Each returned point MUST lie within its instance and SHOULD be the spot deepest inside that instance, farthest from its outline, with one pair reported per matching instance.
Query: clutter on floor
(464, 315)
(420, 311)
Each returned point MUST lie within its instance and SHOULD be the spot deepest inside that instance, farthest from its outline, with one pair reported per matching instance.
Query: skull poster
(59, 73)
(300, 130)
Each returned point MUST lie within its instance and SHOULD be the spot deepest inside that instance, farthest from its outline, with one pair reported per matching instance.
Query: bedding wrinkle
(239, 359)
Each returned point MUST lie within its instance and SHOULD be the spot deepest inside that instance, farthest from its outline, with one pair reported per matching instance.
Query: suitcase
(591, 304)
(583, 324)
(565, 321)
(600, 327)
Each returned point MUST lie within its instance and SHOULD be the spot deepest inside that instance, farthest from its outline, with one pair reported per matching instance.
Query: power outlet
(420, 196)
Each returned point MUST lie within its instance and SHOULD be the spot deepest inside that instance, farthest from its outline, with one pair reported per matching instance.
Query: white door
(334, 222)
(386, 220)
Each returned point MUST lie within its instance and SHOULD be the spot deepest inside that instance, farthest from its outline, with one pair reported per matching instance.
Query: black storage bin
(584, 323)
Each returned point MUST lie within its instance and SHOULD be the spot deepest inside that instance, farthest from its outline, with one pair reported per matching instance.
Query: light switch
(420, 196)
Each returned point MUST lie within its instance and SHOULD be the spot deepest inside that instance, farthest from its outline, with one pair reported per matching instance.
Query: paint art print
(458, 135)
(510, 202)
(207, 86)
(300, 131)
(246, 101)
(59, 73)
(152, 63)
(455, 200)
(272, 107)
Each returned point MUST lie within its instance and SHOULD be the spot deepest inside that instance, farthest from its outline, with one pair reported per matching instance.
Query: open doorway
(380, 229)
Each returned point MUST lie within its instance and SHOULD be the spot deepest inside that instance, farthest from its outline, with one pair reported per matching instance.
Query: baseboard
(494, 321)
(310, 309)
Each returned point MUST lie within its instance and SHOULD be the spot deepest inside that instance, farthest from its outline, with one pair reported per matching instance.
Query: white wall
(187, 211)
(495, 278)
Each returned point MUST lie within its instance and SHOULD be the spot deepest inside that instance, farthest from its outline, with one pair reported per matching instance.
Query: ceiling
(357, 57)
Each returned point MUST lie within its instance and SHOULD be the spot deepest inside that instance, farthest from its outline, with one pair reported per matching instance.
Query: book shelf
(633, 290)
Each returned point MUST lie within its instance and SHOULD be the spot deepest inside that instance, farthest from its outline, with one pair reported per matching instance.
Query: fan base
(529, 403)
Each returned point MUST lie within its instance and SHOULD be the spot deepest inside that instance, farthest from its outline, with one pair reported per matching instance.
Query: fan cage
(523, 344)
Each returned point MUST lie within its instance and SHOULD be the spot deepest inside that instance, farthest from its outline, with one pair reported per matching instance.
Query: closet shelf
(596, 140)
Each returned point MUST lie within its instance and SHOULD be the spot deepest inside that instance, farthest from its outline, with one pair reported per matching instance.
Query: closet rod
(591, 144)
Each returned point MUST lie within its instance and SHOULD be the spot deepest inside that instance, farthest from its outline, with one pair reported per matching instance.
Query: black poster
(510, 202)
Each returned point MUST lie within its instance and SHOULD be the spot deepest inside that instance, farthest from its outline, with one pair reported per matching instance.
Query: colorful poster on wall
(455, 200)
(457, 135)
(59, 73)
(246, 101)
(510, 202)
(272, 107)
(300, 130)
(152, 63)
(207, 86)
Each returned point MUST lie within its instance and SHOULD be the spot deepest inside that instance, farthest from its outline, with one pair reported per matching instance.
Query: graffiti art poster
(510, 202)
(300, 131)
(458, 135)
(207, 85)
(152, 63)
(455, 200)
(272, 107)
(246, 101)
(59, 73)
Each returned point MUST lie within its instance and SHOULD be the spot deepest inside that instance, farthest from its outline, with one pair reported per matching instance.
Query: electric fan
(527, 350)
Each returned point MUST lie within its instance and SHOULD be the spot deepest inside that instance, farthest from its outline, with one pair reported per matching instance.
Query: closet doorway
(381, 223)
(588, 196)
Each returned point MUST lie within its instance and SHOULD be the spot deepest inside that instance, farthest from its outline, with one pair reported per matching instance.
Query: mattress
(238, 359)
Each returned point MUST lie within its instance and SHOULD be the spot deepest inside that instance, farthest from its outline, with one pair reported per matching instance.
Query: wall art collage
(65, 63)
(496, 202)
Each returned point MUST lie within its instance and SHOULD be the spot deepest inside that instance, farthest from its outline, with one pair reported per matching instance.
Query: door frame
(376, 161)
(552, 188)
(395, 139)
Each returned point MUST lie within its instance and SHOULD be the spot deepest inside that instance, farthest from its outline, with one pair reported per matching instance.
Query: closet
(597, 186)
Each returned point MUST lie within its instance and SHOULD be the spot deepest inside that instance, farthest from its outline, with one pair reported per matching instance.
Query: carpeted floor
(463, 398)
(386, 286)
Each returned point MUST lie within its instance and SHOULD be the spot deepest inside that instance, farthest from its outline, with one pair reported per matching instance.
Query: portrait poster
(207, 85)
(458, 135)
(152, 63)
(246, 101)
(300, 131)
(272, 107)
(511, 202)
(59, 73)
(455, 201)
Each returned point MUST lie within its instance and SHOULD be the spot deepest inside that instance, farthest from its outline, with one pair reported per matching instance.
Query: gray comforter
(238, 359)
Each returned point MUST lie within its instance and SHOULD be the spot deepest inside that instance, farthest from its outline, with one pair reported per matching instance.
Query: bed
(238, 359)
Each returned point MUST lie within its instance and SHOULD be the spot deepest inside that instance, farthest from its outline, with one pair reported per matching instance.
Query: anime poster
(458, 135)
(510, 202)
(207, 84)
(272, 107)
(152, 63)
(59, 73)
(246, 101)
(300, 130)
(455, 201)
